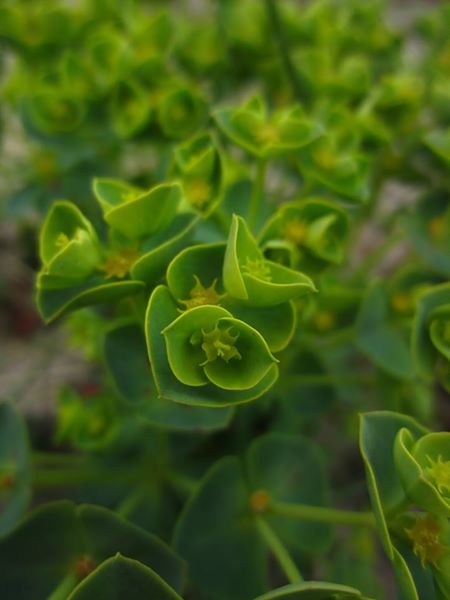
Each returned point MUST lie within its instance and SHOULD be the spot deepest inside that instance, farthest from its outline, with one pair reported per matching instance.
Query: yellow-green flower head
(424, 469)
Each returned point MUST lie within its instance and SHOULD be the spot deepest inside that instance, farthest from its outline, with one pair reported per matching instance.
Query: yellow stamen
(425, 537)
(119, 264)
(197, 192)
(259, 501)
(258, 268)
(295, 231)
(439, 472)
(200, 295)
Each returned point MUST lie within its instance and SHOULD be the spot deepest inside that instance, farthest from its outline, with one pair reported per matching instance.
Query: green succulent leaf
(313, 590)
(181, 112)
(423, 465)
(15, 480)
(118, 577)
(68, 245)
(59, 543)
(250, 278)
(162, 247)
(137, 214)
(53, 302)
(379, 337)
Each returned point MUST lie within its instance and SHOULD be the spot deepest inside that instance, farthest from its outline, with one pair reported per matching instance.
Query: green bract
(137, 213)
(424, 467)
(249, 277)
(250, 127)
(313, 231)
(68, 246)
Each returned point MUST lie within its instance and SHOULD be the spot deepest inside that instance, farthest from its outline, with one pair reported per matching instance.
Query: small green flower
(424, 469)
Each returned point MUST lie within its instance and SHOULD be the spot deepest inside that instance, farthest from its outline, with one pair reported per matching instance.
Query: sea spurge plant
(245, 222)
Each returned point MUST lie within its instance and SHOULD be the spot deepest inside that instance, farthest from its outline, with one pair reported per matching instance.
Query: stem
(283, 47)
(182, 483)
(257, 193)
(281, 554)
(322, 514)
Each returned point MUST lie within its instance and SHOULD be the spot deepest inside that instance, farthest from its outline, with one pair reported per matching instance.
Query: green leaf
(226, 555)
(15, 485)
(313, 590)
(58, 540)
(421, 465)
(52, 303)
(127, 358)
(163, 247)
(161, 312)
(181, 112)
(379, 338)
(120, 577)
(378, 431)
(250, 278)
(68, 245)
(137, 215)
(269, 460)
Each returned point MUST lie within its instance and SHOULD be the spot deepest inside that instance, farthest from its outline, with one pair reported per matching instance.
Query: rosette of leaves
(423, 464)
(195, 278)
(181, 112)
(431, 337)
(205, 356)
(428, 228)
(250, 127)
(199, 166)
(337, 164)
(250, 278)
(52, 110)
(313, 232)
(415, 541)
(72, 260)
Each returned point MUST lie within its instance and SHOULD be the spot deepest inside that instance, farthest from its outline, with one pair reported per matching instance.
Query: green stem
(293, 76)
(182, 483)
(281, 554)
(322, 514)
(257, 193)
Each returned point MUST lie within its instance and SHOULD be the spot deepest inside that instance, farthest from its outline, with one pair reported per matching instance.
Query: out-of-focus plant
(235, 320)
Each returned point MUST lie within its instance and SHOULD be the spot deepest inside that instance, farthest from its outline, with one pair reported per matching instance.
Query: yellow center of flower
(61, 241)
(295, 231)
(439, 472)
(119, 264)
(259, 501)
(268, 134)
(200, 295)
(198, 192)
(436, 228)
(219, 343)
(324, 158)
(424, 535)
(401, 302)
(324, 320)
(258, 268)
